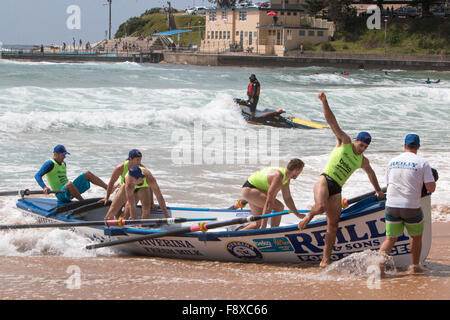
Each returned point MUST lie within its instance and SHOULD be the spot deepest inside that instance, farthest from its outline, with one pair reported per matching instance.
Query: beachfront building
(268, 31)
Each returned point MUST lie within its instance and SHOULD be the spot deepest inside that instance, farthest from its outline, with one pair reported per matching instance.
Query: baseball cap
(412, 140)
(136, 172)
(60, 149)
(364, 137)
(135, 153)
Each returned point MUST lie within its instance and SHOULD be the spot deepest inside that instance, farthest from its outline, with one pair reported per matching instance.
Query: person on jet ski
(253, 90)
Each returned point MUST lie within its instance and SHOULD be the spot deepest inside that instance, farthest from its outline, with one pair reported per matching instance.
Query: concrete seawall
(337, 60)
(347, 61)
(154, 57)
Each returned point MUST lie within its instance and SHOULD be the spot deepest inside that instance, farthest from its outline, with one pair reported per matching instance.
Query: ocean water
(193, 138)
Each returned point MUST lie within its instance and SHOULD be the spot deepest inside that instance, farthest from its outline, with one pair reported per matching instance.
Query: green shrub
(327, 46)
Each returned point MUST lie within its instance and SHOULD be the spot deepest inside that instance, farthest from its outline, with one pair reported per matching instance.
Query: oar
(108, 223)
(240, 204)
(26, 192)
(346, 203)
(200, 227)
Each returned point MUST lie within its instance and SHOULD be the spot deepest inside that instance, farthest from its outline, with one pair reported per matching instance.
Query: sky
(35, 22)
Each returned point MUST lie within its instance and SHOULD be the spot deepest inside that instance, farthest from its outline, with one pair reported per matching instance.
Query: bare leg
(333, 214)
(386, 248)
(119, 200)
(70, 187)
(416, 249)
(275, 221)
(256, 199)
(143, 195)
(321, 196)
(95, 180)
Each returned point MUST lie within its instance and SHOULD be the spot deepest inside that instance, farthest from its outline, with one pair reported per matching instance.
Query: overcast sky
(36, 22)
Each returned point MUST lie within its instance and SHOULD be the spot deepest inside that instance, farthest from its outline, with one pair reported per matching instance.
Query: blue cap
(135, 153)
(60, 149)
(412, 140)
(136, 172)
(364, 137)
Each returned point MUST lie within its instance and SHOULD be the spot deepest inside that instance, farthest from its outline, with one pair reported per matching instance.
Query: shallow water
(201, 151)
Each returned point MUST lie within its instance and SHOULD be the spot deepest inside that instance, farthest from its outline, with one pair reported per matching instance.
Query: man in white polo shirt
(405, 177)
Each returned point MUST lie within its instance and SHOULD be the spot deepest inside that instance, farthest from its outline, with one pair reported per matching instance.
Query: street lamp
(109, 2)
(385, 33)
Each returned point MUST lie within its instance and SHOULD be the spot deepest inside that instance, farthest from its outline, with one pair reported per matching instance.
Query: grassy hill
(426, 36)
(149, 23)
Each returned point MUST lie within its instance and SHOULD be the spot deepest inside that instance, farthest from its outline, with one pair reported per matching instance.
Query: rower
(346, 157)
(137, 180)
(55, 172)
(261, 190)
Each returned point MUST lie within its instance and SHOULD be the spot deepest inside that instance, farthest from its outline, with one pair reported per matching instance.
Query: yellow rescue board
(306, 123)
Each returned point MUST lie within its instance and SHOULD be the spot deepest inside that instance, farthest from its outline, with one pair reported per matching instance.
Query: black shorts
(248, 185)
(333, 186)
(254, 104)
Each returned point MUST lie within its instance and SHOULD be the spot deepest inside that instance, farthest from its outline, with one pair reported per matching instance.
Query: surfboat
(361, 227)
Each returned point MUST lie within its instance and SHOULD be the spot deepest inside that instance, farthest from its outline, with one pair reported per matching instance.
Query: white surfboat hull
(359, 230)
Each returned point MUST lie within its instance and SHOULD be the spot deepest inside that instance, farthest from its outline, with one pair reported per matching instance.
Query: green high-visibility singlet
(259, 178)
(125, 173)
(57, 177)
(342, 163)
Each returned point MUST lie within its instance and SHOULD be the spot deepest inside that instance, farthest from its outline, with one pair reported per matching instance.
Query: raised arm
(342, 137)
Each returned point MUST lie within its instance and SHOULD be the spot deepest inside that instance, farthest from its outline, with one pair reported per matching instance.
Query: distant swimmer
(262, 187)
(253, 90)
(428, 81)
(346, 157)
(55, 172)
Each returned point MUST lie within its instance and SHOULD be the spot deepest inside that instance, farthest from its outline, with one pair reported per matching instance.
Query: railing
(370, 56)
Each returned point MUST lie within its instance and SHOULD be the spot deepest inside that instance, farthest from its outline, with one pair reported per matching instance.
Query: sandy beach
(136, 278)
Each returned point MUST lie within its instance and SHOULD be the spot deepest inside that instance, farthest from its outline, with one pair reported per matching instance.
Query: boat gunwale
(347, 214)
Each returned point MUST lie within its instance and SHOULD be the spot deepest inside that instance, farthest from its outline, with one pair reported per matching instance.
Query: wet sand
(123, 278)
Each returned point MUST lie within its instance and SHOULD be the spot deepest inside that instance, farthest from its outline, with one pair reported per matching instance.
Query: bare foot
(415, 268)
(324, 263)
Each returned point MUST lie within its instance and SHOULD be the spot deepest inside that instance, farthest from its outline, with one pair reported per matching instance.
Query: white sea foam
(34, 242)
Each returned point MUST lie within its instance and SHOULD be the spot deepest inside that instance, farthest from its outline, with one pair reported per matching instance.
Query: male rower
(121, 170)
(55, 172)
(132, 191)
(261, 190)
(346, 157)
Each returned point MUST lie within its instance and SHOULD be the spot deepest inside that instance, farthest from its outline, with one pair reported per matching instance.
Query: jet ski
(274, 118)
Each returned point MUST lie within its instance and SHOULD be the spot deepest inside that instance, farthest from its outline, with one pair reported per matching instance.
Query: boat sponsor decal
(243, 250)
(350, 238)
(170, 247)
(273, 244)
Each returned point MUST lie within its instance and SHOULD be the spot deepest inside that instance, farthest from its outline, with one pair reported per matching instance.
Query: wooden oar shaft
(109, 223)
(200, 227)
